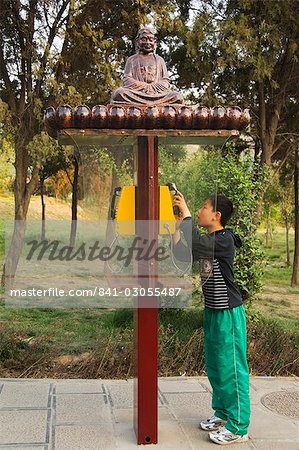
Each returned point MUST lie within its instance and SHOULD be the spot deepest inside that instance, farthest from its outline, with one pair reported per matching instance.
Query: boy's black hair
(222, 204)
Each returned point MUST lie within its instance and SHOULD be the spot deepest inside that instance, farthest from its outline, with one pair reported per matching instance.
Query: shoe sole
(216, 427)
(237, 441)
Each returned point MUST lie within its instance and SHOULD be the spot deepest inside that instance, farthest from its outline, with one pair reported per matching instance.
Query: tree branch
(60, 64)
(31, 19)
(31, 185)
(69, 178)
(7, 81)
(277, 170)
(20, 28)
(284, 77)
(56, 24)
(262, 113)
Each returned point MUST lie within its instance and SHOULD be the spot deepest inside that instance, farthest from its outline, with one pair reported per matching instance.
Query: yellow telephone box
(125, 211)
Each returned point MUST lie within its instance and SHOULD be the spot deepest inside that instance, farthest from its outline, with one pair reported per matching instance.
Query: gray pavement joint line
(1, 387)
(165, 402)
(114, 423)
(108, 395)
(80, 393)
(185, 392)
(27, 380)
(173, 416)
(49, 415)
(253, 387)
(82, 423)
(22, 444)
(105, 394)
(23, 408)
(187, 437)
(206, 388)
(54, 404)
(160, 397)
(251, 445)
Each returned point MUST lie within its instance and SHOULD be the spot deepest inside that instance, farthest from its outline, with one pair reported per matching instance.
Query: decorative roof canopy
(138, 117)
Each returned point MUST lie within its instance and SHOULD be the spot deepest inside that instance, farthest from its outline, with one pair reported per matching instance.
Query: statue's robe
(145, 84)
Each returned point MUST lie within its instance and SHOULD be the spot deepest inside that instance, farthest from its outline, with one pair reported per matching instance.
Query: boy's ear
(218, 215)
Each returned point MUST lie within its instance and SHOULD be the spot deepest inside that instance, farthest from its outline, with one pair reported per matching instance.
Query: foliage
(92, 343)
(245, 52)
(278, 199)
(169, 163)
(7, 171)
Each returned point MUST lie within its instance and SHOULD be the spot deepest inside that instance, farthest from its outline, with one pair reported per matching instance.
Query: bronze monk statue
(145, 80)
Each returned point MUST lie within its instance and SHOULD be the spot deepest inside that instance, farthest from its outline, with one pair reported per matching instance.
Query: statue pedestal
(147, 208)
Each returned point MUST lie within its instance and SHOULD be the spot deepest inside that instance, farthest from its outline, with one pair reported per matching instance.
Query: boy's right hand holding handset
(179, 200)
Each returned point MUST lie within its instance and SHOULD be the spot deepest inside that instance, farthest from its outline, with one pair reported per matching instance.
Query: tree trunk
(110, 230)
(259, 210)
(74, 203)
(294, 280)
(269, 234)
(13, 255)
(286, 221)
(22, 194)
(42, 186)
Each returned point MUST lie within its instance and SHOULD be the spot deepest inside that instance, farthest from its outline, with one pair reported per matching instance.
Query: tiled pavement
(97, 414)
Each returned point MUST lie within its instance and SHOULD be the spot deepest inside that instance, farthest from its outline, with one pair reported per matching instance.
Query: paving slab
(267, 444)
(98, 414)
(268, 383)
(77, 387)
(180, 386)
(199, 439)
(120, 395)
(190, 405)
(82, 409)
(96, 437)
(260, 427)
(23, 427)
(27, 395)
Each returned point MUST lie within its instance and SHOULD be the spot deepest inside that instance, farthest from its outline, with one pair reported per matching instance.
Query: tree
(6, 151)
(294, 280)
(286, 194)
(27, 33)
(60, 51)
(52, 159)
(245, 52)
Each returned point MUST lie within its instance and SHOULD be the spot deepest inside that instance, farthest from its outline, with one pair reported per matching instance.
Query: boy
(224, 315)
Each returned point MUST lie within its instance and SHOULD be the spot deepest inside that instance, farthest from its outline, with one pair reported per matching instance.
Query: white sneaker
(224, 436)
(213, 423)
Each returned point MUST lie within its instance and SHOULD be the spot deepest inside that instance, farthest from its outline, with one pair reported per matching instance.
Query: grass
(278, 300)
(71, 330)
(96, 342)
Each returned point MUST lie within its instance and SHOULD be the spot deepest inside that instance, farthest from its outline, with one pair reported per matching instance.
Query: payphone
(123, 209)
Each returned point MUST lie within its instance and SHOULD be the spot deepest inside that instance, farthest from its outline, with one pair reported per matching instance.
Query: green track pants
(226, 366)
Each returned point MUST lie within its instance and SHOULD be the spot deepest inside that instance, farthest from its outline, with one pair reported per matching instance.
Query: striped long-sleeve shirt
(215, 253)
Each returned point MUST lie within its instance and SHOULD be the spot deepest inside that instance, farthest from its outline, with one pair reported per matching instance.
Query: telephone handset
(173, 190)
(114, 201)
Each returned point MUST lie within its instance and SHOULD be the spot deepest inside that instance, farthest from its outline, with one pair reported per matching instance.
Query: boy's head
(216, 210)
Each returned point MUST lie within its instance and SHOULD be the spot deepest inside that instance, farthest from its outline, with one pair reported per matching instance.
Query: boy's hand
(178, 200)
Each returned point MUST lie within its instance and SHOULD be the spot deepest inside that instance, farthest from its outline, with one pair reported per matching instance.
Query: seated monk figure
(145, 79)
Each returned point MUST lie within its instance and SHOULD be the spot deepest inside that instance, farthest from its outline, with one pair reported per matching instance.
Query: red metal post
(146, 319)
